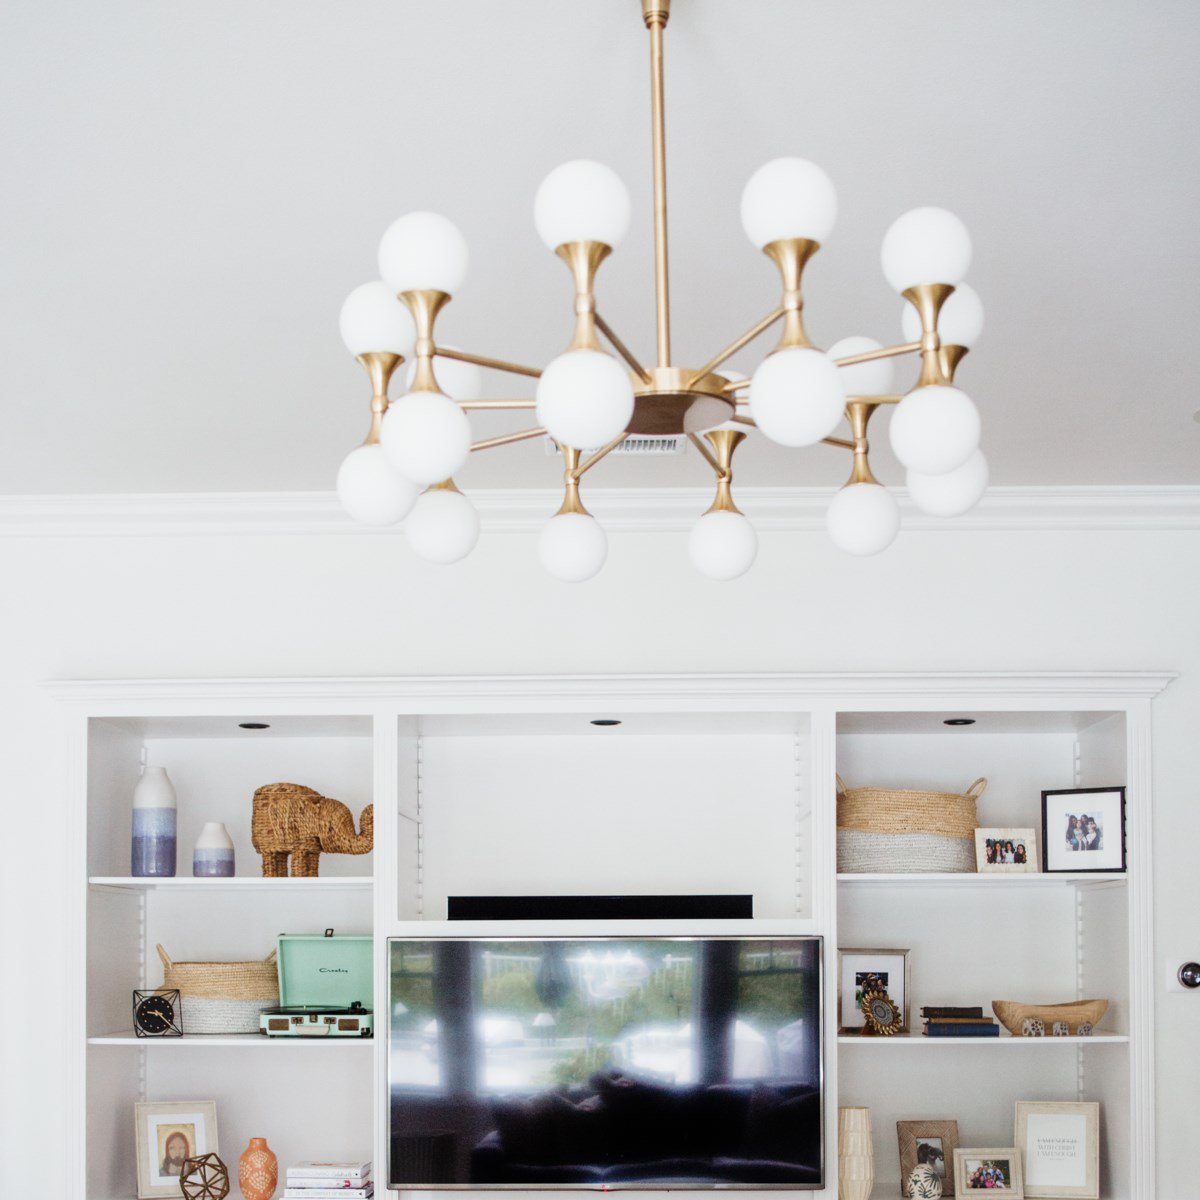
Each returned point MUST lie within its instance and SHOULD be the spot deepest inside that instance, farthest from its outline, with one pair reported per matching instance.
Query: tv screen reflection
(605, 1063)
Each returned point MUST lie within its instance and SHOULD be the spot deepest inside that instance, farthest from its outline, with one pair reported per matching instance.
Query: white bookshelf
(711, 784)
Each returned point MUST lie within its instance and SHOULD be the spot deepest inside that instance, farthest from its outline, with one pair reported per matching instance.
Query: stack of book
(959, 1022)
(329, 1181)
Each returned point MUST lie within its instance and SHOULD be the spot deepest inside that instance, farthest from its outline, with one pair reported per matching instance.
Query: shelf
(194, 1040)
(971, 879)
(250, 883)
(911, 1039)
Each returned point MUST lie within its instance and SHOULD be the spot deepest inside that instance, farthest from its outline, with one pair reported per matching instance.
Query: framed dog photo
(1083, 829)
(928, 1143)
(167, 1132)
(864, 971)
(1061, 1145)
(990, 1172)
(1005, 851)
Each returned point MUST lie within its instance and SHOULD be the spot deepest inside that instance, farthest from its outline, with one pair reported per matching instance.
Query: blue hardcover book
(961, 1029)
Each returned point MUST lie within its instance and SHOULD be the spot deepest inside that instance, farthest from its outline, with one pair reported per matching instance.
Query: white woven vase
(856, 1157)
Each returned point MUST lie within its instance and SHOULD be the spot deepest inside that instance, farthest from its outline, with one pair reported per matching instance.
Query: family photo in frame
(1083, 829)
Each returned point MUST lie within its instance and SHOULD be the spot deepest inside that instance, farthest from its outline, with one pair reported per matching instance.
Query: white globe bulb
(584, 399)
(372, 319)
(872, 378)
(443, 527)
(581, 201)
(457, 379)
(959, 323)
(788, 198)
(372, 490)
(935, 429)
(423, 250)
(797, 397)
(573, 547)
(426, 436)
(722, 545)
(863, 518)
(951, 494)
(925, 245)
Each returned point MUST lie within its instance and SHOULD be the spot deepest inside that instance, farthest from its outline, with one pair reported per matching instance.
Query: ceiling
(193, 188)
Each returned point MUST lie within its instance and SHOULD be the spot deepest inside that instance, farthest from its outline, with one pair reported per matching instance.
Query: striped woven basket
(222, 997)
(892, 830)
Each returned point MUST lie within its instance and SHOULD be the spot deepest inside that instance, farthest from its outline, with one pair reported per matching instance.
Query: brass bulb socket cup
(927, 299)
(790, 256)
(584, 259)
(723, 443)
(425, 304)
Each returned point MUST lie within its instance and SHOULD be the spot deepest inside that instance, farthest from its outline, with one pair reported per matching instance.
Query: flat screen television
(605, 1063)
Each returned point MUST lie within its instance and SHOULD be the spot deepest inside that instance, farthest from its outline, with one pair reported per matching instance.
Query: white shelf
(252, 883)
(194, 1040)
(970, 879)
(913, 1039)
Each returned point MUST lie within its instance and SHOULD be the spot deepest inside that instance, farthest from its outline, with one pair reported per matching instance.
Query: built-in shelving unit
(710, 784)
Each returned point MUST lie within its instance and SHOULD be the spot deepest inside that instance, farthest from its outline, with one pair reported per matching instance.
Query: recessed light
(959, 721)
(605, 722)
(252, 725)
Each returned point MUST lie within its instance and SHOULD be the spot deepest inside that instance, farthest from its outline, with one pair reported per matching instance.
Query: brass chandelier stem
(571, 501)
(723, 442)
(584, 259)
(859, 413)
(791, 256)
(655, 14)
(927, 299)
(425, 306)
(379, 365)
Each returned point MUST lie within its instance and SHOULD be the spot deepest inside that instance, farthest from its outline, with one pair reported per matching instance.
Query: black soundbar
(601, 908)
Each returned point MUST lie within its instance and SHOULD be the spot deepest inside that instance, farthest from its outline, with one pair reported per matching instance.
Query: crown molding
(646, 510)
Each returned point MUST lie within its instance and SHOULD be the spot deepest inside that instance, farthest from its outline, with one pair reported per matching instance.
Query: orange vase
(258, 1170)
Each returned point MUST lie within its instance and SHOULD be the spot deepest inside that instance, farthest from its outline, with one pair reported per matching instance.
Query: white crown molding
(638, 509)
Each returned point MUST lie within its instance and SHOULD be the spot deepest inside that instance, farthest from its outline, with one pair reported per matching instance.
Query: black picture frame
(1074, 868)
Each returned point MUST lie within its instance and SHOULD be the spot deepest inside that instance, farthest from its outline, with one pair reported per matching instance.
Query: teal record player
(325, 987)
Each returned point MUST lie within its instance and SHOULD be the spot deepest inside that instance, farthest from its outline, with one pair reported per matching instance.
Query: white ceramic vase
(856, 1156)
(152, 847)
(212, 856)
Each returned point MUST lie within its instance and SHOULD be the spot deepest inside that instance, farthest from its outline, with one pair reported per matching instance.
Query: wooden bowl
(1012, 1015)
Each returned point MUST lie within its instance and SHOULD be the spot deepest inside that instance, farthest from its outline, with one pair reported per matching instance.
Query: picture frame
(1060, 1145)
(1083, 829)
(932, 1142)
(861, 970)
(972, 1165)
(165, 1133)
(1005, 851)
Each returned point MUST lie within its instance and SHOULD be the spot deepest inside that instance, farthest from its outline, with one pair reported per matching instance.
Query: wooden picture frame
(1024, 845)
(1073, 1130)
(866, 962)
(1006, 1159)
(170, 1130)
(1103, 841)
(912, 1135)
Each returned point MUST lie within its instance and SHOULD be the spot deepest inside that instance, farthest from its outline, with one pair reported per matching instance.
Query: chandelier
(598, 392)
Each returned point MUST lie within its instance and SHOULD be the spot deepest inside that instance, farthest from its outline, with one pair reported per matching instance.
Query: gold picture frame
(942, 1139)
(165, 1133)
(1023, 844)
(1074, 1129)
(1004, 1159)
(865, 963)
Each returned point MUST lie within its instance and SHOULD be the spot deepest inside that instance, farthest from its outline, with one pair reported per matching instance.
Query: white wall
(352, 604)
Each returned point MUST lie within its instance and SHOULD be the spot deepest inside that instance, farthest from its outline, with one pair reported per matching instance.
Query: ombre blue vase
(152, 849)
(212, 857)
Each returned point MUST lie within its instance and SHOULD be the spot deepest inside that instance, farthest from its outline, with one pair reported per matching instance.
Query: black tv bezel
(634, 1185)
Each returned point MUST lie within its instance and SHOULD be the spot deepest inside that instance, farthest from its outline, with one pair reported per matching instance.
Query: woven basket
(1078, 1012)
(222, 997)
(892, 830)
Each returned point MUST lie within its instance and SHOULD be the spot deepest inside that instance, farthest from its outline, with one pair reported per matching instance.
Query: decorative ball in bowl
(1080, 1016)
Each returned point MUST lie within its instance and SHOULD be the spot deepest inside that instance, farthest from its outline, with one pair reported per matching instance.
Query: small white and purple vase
(152, 848)
(213, 856)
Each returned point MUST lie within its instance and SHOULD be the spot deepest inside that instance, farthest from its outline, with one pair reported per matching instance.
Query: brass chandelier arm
(884, 352)
(494, 364)
(844, 443)
(576, 473)
(623, 350)
(709, 457)
(468, 405)
(655, 15)
(745, 340)
(748, 421)
(506, 439)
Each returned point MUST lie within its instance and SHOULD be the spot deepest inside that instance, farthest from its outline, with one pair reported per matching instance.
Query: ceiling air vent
(637, 444)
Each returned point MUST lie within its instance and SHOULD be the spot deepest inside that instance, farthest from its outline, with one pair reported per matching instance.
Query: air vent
(657, 446)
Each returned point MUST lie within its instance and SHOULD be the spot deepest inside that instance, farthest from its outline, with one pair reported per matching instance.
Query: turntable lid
(322, 971)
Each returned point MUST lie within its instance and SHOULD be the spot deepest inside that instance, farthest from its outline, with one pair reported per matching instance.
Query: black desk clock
(157, 1013)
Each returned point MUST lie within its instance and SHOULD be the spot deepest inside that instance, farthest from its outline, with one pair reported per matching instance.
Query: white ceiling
(192, 189)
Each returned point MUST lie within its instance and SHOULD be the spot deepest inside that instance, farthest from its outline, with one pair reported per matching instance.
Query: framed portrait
(1061, 1145)
(1083, 829)
(932, 1143)
(992, 1171)
(167, 1132)
(1006, 851)
(862, 971)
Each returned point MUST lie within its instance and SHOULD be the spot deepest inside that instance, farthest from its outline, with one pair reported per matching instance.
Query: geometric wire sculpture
(204, 1177)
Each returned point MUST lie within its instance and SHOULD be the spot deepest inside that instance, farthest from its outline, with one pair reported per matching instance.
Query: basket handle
(841, 784)
(166, 958)
(270, 957)
(972, 792)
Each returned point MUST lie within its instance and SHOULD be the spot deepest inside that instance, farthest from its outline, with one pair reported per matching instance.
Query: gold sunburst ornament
(880, 1014)
(590, 398)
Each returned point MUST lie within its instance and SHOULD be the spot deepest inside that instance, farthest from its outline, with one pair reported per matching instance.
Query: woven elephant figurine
(289, 819)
